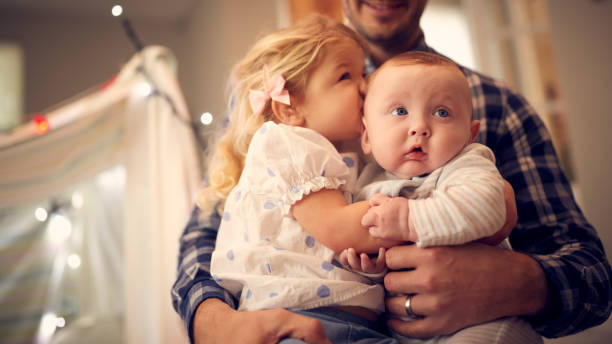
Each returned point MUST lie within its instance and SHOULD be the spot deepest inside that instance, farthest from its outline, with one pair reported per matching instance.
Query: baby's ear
(475, 127)
(287, 114)
(365, 140)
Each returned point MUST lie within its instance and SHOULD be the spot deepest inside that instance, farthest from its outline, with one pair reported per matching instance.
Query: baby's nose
(419, 130)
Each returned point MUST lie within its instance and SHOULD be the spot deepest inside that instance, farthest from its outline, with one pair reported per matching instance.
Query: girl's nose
(362, 87)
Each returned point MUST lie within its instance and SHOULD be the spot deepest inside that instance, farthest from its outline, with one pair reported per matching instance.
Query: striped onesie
(459, 202)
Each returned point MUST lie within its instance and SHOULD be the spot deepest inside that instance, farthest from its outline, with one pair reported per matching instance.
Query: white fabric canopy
(121, 124)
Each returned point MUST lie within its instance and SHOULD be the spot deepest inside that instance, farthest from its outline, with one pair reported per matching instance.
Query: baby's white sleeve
(467, 203)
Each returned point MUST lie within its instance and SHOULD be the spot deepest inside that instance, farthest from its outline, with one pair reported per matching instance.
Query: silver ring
(408, 307)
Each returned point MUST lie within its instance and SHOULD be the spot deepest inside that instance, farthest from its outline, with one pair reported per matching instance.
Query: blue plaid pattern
(551, 228)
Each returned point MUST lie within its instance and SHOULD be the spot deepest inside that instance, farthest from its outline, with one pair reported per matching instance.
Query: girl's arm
(326, 215)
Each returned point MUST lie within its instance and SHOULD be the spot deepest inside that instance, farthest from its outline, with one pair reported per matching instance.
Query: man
(557, 277)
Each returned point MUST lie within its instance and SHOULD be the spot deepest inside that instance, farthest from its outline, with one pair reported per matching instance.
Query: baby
(418, 127)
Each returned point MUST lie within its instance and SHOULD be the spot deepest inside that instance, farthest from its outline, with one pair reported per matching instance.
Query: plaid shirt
(551, 228)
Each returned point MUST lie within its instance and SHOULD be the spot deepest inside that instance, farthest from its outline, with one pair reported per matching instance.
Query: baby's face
(417, 118)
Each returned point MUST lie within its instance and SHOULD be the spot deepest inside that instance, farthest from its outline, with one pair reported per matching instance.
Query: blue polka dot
(238, 195)
(226, 216)
(269, 268)
(269, 205)
(323, 291)
(323, 173)
(327, 266)
(230, 255)
(349, 162)
(273, 295)
(278, 248)
(267, 239)
(295, 190)
(270, 172)
(310, 241)
(263, 129)
(246, 236)
(248, 294)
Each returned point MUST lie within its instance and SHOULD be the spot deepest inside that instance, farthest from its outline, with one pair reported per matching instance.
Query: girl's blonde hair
(293, 53)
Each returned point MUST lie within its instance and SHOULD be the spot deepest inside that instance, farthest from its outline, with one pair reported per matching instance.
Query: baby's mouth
(415, 153)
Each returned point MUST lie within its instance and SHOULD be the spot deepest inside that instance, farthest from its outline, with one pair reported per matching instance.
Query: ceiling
(155, 10)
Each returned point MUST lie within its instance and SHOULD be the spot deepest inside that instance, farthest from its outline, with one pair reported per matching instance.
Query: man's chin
(377, 33)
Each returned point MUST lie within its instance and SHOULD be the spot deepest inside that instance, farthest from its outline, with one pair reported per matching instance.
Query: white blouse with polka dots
(263, 256)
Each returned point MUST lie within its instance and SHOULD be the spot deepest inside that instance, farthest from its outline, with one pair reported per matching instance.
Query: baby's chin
(408, 173)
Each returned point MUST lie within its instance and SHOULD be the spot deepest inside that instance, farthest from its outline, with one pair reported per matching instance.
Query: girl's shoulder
(275, 139)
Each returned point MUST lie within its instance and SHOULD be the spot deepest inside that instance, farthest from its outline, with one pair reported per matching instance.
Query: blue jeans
(342, 327)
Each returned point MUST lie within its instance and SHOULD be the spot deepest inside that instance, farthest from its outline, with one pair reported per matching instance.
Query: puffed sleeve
(285, 163)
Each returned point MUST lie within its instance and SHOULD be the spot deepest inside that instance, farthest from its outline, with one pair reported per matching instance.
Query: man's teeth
(381, 6)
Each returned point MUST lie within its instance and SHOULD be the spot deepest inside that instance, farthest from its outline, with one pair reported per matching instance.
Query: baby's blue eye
(345, 76)
(441, 113)
(400, 111)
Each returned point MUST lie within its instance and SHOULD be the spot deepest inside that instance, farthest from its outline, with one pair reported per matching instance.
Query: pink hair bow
(274, 89)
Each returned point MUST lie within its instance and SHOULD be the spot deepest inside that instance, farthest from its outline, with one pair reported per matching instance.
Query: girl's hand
(388, 218)
(363, 263)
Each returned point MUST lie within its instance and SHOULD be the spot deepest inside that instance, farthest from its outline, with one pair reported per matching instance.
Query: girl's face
(332, 103)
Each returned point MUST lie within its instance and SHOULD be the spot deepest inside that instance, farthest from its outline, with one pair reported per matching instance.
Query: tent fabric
(146, 136)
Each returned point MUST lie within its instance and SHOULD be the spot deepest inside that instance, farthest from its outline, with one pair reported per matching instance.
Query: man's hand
(388, 217)
(216, 322)
(460, 286)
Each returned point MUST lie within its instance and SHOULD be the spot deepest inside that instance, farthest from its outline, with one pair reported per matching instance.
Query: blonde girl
(297, 96)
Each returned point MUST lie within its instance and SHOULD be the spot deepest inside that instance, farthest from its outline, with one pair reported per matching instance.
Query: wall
(67, 54)
(583, 50)
(219, 34)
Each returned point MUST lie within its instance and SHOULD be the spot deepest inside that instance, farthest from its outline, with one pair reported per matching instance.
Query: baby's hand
(363, 263)
(388, 217)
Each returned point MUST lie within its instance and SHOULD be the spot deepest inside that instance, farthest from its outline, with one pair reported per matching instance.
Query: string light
(59, 228)
(206, 118)
(73, 260)
(48, 324)
(41, 123)
(117, 10)
(77, 200)
(41, 214)
(144, 89)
